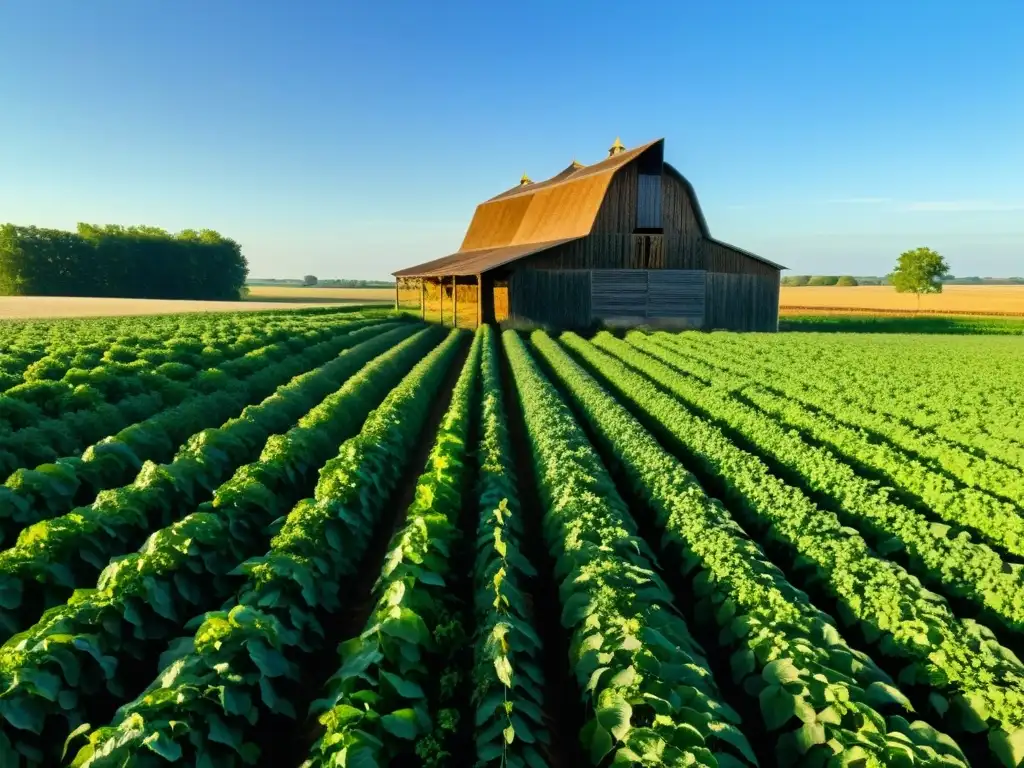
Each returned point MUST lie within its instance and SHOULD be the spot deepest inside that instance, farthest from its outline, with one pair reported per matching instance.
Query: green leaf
(809, 735)
(780, 671)
(615, 718)
(163, 745)
(598, 740)
(1009, 747)
(732, 735)
(82, 729)
(407, 689)
(777, 706)
(880, 694)
(221, 733)
(401, 723)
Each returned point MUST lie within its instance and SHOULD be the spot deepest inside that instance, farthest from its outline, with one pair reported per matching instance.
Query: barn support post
(479, 300)
(423, 299)
(455, 302)
(396, 293)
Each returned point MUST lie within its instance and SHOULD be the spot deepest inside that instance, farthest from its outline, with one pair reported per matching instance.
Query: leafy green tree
(919, 271)
(823, 280)
(847, 280)
(796, 280)
(309, 280)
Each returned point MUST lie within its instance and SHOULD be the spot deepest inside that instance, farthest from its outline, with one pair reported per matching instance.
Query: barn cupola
(617, 148)
(525, 180)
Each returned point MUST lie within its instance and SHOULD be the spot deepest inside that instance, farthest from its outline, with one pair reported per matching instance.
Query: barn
(619, 242)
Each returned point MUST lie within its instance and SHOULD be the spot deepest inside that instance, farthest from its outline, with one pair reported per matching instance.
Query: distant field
(954, 299)
(319, 295)
(261, 297)
(33, 307)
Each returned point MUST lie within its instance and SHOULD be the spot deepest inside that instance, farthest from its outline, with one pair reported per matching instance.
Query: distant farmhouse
(620, 242)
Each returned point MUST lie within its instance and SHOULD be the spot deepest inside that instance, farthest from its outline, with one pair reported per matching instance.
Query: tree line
(118, 261)
(801, 280)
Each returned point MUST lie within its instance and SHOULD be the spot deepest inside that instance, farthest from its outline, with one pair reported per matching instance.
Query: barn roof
(534, 216)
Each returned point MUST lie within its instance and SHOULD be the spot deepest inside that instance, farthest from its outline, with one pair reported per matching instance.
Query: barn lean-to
(619, 242)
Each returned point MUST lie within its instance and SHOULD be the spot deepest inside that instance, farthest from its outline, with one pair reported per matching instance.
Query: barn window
(648, 207)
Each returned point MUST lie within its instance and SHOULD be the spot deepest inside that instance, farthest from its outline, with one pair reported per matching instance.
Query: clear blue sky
(350, 139)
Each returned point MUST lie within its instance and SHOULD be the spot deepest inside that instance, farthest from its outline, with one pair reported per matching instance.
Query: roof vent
(617, 148)
(525, 180)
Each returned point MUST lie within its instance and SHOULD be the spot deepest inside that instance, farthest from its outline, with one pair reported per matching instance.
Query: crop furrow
(507, 647)
(111, 396)
(54, 556)
(974, 684)
(51, 489)
(824, 699)
(975, 472)
(644, 681)
(219, 687)
(393, 694)
(936, 554)
(94, 647)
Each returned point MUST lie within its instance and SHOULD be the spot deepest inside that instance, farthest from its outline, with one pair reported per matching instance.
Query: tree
(919, 271)
(847, 280)
(795, 280)
(309, 280)
(823, 280)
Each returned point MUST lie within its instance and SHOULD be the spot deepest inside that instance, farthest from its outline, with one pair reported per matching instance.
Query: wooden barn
(620, 242)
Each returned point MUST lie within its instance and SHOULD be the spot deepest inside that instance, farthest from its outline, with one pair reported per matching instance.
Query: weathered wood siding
(679, 219)
(618, 293)
(742, 302)
(644, 294)
(608, 251)
(618, 209)
(648, 209)
(719, 257)
(549, 298)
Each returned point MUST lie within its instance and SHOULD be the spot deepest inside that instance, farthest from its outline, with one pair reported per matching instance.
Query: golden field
(883, 299)
(318, 295)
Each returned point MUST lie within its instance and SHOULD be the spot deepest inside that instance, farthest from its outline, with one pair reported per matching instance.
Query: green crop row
(392, 695)
(849, 422)
(956, 411)
(234, 678)
(507, 676)
(72, 657)
(962, 567)
(92, 404)
(826, 700)
(54, 556)
(30, 495)
(647, 687)
(183, 346)
(86, 345)
(975, 684)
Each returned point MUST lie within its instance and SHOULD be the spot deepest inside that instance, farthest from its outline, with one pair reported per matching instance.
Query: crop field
(995, 300)
(325, 295)
(348, 538)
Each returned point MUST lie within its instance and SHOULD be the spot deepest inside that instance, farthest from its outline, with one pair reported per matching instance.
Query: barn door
(636, 295)
(677, 293)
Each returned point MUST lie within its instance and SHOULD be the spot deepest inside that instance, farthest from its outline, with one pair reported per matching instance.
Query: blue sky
(350, 139)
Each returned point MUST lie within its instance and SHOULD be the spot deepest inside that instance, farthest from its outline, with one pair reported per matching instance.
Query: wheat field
(883, 299)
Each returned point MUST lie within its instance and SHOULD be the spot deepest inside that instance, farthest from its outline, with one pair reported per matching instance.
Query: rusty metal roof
(529, 218)
(477, 261)
(574, 173)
